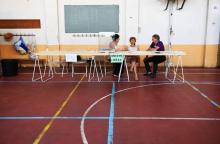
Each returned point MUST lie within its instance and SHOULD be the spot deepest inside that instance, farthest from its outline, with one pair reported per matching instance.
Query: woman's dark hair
(132, 38)
(156, 36)
(115, 37)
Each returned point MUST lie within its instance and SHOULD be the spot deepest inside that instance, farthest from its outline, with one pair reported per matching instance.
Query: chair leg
(90, 70)
(51, 71)
(72, 69)
(67, 68)
(105, 68)
(63, 69)
(54, 69)
(86, 70)
(45, 68)
(100, 67)
(94, 68)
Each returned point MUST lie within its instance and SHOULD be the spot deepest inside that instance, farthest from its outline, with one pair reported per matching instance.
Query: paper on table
(71, 57)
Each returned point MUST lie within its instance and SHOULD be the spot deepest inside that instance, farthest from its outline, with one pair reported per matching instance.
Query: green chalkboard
(91, 18)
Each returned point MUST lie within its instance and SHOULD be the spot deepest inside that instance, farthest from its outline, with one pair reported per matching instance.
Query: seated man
(156, 45)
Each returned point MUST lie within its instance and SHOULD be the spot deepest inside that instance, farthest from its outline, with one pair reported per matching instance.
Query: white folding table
(169, 54)
(42, 77)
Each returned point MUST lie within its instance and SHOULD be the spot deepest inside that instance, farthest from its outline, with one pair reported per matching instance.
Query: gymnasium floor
(71, 110)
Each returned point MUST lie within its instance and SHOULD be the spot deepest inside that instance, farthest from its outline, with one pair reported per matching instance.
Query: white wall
(51, 22)
(132, 19)
(189, 24)
(213, 24)
(23, 9)
(153, 20)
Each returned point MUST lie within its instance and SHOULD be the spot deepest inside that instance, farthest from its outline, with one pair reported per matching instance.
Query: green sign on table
(117, 58)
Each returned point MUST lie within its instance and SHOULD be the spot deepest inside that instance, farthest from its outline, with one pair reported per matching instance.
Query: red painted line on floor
(107, 118)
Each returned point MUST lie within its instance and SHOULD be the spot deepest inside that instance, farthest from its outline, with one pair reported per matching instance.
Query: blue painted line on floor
(111, 116)
(203, 95)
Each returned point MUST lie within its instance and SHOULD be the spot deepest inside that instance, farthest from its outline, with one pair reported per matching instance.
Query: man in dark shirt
(156, 45)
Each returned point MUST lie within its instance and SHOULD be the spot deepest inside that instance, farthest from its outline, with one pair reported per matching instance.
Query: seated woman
(156, 45)
(114, 45)
(133, 59)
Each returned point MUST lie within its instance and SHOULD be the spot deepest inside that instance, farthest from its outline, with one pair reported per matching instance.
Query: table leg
(50, 71)
(168, 64)
(181, 64)
(119, 77)
(90, 69)
(95, 70)
(100, 67)
(37, 64)
(175, 69)
(126, 66)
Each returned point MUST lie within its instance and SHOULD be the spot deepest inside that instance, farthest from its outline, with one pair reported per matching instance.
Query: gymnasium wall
(23, 9)
(193, 32)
